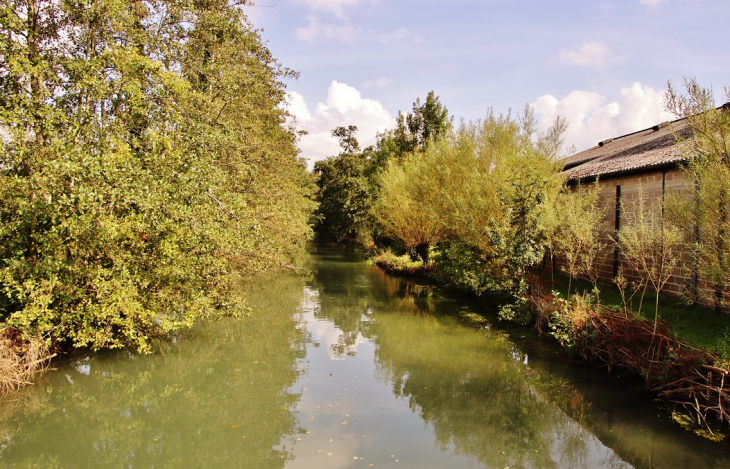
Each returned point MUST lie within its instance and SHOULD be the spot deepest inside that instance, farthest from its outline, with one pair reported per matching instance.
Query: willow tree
(407, 207)
(144, 167)
(488, 187)
(705, 216)
(577, 234)
(650, 245)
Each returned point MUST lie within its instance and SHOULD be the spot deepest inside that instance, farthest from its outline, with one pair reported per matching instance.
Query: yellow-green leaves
(147, 195)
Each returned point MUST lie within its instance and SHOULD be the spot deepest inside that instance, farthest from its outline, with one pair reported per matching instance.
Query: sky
(603, 65)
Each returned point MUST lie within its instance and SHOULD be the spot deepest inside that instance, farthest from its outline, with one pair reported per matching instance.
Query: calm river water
(343, 367)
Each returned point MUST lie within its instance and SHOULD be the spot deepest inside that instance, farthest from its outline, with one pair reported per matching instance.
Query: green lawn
(696, 324)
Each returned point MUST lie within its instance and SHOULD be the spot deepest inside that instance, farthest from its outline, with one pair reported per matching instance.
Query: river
(344, 366)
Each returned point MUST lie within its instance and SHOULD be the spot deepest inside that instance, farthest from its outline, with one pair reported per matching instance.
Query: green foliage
(704, 217)
(390, 262)
(578, 233)
(723, 349)
(569, 319)
(464, 268)
(345, 191)
(649, 244)
(415, 130)
(407, 208)
(350, 183)
(145, 167)
(486, 190)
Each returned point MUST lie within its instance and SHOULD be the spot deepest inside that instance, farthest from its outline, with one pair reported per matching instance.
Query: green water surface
(343, 366)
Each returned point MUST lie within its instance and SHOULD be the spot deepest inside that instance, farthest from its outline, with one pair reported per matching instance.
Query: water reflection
(344, 367)
(480, 399)
(219, 397)
(474, 389)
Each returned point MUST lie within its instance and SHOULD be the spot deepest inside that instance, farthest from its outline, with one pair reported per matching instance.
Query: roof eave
(625, 172)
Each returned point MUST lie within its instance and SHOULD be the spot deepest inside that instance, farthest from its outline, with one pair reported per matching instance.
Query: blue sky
(602, 64)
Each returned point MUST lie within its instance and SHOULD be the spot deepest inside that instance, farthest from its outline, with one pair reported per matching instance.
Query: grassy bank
(694, 324)
(401, 265)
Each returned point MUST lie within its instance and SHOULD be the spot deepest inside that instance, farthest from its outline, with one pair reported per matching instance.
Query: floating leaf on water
(233, 427)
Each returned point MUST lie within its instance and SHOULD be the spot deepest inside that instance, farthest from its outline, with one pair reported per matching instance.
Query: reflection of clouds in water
(83, 366)
(310, 301)
(338, 453)
(324, 332)
(574, 446)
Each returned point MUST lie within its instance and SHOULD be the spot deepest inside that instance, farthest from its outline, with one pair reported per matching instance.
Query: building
(650, 159)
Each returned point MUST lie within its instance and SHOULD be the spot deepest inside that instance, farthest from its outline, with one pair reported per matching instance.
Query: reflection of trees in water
(349, 292)
(191, 405)
(481, 401)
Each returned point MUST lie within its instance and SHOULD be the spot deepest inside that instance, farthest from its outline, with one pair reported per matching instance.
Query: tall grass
(20, 360)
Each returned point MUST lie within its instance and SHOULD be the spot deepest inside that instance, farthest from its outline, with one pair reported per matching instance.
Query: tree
(348, 141)
(486, 190)
(578, 234)
(344, 190)
(704, 217)
(349, 183)
(414, 130)
(145, 167)
(406, 209)
(649, 245)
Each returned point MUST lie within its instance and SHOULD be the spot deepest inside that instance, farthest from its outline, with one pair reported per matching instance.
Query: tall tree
(145, 167)
(416, 129)
(486, 189)
(344, 190)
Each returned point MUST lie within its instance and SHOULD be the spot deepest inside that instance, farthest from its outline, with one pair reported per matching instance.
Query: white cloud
(346, 32)
(345, 106)
(336, 7)
(652, 2)
(315, 29)
(589, 53)
(381, 82)
(590, 120)
(395, 36)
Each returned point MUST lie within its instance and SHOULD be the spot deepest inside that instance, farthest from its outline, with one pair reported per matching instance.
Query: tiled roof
(656, 146)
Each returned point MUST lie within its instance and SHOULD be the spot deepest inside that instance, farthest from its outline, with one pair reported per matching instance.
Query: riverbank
(345, 361)
(21, 360)
(683, 356)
